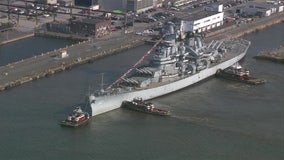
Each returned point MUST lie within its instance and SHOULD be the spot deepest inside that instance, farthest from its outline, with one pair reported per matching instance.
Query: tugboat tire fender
(218, 71)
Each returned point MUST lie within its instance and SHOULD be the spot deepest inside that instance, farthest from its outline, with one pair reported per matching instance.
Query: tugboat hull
(233, 77)
(76, 119)
(74, 125)
(143, 108)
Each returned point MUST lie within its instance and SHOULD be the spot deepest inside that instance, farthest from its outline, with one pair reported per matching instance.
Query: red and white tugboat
(138, 104)
(76, 119)
(237, 73)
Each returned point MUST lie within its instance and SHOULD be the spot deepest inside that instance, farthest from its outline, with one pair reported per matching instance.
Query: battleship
(175, 63)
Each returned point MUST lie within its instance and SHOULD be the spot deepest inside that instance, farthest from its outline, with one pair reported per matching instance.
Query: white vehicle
(95, 7)
(46, 15)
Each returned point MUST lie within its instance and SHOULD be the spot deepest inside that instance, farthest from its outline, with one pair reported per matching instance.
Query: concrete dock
(276, 55)
(236, 31)
(46, 64)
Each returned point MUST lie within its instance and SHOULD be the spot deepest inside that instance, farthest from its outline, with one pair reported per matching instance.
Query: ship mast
(138, 62)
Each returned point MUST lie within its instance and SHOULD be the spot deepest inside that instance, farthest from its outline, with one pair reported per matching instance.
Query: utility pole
(26, 4)
(54, 14)
(8, 10)
(71, 9)
(18, 18)
(36, 18)
(125, 23)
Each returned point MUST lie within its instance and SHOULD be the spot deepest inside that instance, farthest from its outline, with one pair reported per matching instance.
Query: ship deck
(233, 49)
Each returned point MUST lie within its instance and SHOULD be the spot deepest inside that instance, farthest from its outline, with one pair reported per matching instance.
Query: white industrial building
(265, 6)
(136, 6)
(178, 3)
(51, 1)
(47, 1)
(203, 21)
(280, 8)
(261, 9)
(250, 12)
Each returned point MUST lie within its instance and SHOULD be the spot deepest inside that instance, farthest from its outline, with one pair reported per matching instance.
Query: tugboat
(237, 73)
(76, 119)
(138, 104)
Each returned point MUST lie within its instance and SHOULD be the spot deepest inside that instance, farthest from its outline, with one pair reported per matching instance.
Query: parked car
(46, 15)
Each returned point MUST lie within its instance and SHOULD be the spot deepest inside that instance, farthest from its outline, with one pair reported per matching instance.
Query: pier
(236, 31)
(49, 63)
(46, 64)
(274, 55)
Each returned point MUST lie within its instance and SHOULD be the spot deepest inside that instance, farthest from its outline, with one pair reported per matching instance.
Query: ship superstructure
(175, 64)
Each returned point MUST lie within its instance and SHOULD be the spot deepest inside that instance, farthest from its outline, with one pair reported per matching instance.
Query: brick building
(92, 27)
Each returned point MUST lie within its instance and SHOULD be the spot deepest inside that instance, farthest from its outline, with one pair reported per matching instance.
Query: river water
(29, 47)
(214, 119)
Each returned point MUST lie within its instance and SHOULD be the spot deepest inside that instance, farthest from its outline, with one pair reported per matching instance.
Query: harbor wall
(17, 38)
(276, 55)
(60, 36)
(236, 31)
(23, 77)
(45, 72)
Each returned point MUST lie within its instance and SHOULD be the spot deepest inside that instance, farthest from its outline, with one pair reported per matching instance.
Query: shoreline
(17, 38)
(60, 36)
(236, 31)
(276, 55)
(232, 31)
(45, 65)
(99, 48)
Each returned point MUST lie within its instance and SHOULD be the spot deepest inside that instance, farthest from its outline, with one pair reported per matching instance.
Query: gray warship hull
(110, 102)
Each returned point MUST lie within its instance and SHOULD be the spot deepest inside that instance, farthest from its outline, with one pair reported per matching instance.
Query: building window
(196, 24)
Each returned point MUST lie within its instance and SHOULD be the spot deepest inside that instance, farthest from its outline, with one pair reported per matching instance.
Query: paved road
(236, 31)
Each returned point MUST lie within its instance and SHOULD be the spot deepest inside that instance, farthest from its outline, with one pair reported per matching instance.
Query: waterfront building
(112, 5)
(251, 12)
(139, 6)
(135, 6)
(90, 27)
(60, 27)
(204, 20)
(280, 8)
(178, 3)
(260, 9)
(66, 2)
(86, 3)
(158, 3)
(47, 1)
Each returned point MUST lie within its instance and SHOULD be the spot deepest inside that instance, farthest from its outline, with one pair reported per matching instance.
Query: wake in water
(191, 119)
